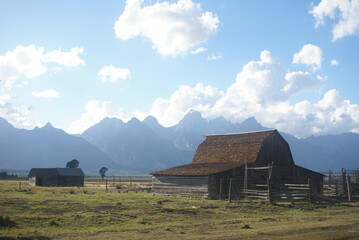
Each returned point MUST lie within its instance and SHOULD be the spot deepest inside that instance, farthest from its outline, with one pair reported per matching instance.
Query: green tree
(73, 163)
(102, 172)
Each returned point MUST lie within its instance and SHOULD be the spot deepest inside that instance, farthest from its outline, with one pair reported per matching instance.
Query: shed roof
(73, 172)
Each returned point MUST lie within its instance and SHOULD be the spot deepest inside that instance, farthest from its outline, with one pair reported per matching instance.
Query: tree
(102, 171)
(73, 163)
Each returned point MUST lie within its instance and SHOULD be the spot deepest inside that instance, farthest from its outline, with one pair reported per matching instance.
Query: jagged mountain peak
(151, 120)
(193, 118)
(134, 120)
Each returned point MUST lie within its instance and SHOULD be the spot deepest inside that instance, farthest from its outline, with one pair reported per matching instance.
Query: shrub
(6, 222)
(53, 223)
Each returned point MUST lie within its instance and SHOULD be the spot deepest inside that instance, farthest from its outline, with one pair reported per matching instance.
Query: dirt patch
(26, 238)
(180, 211)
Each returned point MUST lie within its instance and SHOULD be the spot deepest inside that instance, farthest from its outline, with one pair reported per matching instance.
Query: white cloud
(173, 28)
(346, 12)
(309, 55)
(68, 59)
(215, 57)
(30, 62)
(198, 50)
(263, 89)
(48, 94)
(334, 62)
(95, 111)
(113, 74)
(16, 115)
(170, 111)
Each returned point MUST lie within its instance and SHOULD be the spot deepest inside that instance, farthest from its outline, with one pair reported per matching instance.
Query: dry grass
(92, 213)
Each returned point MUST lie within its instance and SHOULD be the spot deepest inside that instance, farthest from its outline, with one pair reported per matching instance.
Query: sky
(293, 65)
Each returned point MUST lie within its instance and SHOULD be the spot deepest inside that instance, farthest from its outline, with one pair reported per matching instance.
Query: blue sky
(293, 65)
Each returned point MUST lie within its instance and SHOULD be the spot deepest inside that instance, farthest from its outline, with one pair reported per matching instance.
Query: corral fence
(280, 192)
(268, 190)
(137, 182)
(343, 183)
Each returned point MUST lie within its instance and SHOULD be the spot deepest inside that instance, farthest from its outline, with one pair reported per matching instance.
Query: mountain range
(46, 147)
(139, 147)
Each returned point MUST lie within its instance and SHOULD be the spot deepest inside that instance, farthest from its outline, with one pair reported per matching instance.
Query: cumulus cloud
(173, 28)
(309, 55)
(263, 89)
(113, 74)
(68, 59)
(200, 98)
(31, 61)
(345, 12)
(95, 111)
(16, 115)
(48, 94)
(334, 62)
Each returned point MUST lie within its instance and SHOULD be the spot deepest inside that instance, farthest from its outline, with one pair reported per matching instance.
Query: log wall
(194, 186)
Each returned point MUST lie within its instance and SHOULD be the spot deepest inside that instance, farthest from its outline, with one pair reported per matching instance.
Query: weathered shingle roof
(237, 148)
(199, 169)
(219, 153)
(74, 172)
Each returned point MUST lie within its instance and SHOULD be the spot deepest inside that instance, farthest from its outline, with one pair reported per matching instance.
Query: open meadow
(132, 212)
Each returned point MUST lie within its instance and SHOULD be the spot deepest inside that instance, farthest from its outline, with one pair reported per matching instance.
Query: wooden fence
(280, 192)
(344, 183)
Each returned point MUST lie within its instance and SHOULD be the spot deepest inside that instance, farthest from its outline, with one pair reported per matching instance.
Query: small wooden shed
(223, 160)
(56, 177)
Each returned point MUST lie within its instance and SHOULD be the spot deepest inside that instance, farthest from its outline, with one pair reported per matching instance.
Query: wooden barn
(226, 165)
(57, 177)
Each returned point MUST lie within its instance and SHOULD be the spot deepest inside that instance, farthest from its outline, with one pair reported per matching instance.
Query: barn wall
(275, 149)
(32, 181)
(193, 186)
(71, 181)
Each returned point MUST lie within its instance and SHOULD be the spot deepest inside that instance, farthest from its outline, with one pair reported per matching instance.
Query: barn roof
(73, 172)
(219, 153)
(237, 148)
(198, 169)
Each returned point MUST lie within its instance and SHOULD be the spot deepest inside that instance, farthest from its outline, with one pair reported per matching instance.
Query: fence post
(106, 184)
(230, 190)
(20, 185)
(220, 188)
(269, 183)
(330, 178)
(343, 192)
(349, 189)
(310, 187)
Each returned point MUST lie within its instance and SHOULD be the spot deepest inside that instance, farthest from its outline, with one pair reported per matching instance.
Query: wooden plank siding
(180, 186)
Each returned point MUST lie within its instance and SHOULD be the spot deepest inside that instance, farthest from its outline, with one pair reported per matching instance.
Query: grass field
(94, 213)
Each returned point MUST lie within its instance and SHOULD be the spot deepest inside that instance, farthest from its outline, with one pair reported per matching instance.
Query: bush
(6, 222)
(246, 226)
(53, 223)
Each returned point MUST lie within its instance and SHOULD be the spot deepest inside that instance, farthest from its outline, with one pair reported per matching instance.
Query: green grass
(82, 213)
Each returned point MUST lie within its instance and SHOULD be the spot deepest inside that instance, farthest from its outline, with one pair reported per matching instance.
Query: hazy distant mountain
(142, 147)
(46, 147)
(134, 145)
(326, 152)
(148, 146)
